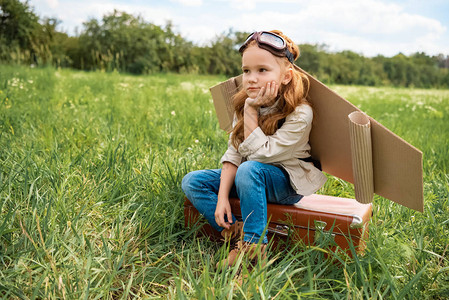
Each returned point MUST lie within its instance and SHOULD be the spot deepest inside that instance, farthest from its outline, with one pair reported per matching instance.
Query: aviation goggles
(271, 42)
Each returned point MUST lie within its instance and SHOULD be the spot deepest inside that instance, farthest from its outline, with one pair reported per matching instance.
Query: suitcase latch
(322, 237)
(280, 229)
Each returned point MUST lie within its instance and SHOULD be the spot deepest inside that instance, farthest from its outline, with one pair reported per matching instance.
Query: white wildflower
(430, 108)
(173, 113)
(187, 86)
(14, 82)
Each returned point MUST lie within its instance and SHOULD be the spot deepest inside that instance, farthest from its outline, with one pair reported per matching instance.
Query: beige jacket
(283, 148)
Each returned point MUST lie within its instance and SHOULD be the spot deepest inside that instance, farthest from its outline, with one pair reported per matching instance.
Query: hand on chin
(252, 93)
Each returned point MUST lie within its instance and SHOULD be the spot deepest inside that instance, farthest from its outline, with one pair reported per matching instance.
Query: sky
(367, 27)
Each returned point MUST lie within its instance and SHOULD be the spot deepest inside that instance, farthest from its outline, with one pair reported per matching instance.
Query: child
(264, 161)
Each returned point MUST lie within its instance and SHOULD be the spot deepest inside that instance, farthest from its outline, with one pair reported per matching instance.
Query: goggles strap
(289, 56)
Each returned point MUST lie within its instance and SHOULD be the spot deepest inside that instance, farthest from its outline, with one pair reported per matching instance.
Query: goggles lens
(272, 40)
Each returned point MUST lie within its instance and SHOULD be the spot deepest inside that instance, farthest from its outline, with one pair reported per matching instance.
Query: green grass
(91, 204)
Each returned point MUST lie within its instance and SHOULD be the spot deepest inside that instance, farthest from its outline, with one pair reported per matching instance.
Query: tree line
(126, 43)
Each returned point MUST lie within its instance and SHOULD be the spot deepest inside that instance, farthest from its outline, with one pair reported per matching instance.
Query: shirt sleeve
(232, 155)
(279, 146)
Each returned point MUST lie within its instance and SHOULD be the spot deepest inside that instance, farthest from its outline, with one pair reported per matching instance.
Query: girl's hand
(265, 96)
(223, 209)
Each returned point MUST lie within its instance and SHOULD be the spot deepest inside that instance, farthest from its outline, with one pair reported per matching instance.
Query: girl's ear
(288, 75)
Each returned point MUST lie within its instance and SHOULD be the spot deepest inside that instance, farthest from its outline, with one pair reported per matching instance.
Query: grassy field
(91, 204)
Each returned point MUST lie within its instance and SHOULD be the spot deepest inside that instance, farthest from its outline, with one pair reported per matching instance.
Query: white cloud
(154, 15)
(243, 4)
(373, 17)
(201, 34)
(366, 26)
(252, 4)
(189, 2)
(44, 5)
(73, 14)
(52, 3)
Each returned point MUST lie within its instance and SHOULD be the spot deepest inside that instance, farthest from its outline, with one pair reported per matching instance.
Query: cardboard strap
(362, 156)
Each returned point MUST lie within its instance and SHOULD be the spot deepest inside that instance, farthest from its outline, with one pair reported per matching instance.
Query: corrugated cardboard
(397, 166)
(362, 156)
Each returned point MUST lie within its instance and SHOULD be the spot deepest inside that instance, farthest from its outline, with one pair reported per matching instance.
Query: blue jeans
(255, 184)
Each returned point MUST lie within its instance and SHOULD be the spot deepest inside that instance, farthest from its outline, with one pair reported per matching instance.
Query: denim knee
(200, 181)
(247, 172)
(189, 183)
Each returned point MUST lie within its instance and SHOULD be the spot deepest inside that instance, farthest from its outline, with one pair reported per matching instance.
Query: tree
(18, 27)
(224, 57)
(127, 43)
(311, 58)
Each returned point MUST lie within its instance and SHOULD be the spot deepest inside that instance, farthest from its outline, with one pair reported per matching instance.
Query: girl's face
(260, 67)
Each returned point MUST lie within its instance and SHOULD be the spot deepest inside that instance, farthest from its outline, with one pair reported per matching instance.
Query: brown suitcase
(315, 220)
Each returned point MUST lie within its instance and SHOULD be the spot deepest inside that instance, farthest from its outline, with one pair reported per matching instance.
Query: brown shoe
(234, 233)
(250, 251)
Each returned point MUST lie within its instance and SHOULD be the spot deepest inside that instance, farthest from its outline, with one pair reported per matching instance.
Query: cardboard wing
(396, 166)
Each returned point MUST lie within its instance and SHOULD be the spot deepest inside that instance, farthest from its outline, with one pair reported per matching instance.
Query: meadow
(91, 205)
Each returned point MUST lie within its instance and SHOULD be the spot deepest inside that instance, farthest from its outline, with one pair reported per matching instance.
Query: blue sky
(367, 27)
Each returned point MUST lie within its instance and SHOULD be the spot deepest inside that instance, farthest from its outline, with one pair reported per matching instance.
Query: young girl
(264, 161)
